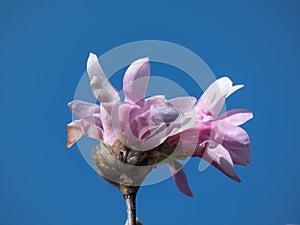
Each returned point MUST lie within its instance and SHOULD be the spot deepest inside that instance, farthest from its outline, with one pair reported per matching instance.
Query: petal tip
(237, 179)
(181, 181)
(146, 59)
(141, 61)
(73, 135)
(189, 194)
(70, 104)
(224, 78)
(251, 115)
(92, 55)
(91, 59)
(69, 144)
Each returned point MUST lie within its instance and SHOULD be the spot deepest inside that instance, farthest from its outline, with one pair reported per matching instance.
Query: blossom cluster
(142, 131)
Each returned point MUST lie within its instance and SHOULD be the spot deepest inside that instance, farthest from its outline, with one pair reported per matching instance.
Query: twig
(129, 195)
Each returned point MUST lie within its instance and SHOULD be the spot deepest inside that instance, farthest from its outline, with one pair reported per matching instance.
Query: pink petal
(158, 99)
(95, 119)
(150, 134)
(163, 131)
(181, 181)
(157, 135)
(83, 109)
(78, 128)
(100, 85)
(235, 135)
(213, 99)
(219, 157)
(143, 125)
(180, 126)
(183, 104)
(135, 81)
(195, 140)
(122, 115)
(109, 134)
(240, 154)
(236, 116)
(192, 139)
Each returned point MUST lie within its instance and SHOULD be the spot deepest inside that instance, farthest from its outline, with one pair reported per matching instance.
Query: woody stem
(130, 198)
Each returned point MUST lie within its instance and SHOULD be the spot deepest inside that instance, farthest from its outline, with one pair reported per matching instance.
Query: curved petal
(78, 128)
(234, 139)
(183, 104)
(154, 137)
(193, 140)
(235, 135)
(213, 99)
(122, 115)
(140, 131)
(234, 89)
(144, 125)
(161, 132)
(135, 81)
(240, 154)
(109, 134)
(236, 116)
(100, 85)
(184, 122)
(176, 128)
(219, 157)
(95, 119)
(181, 180)
(83, 109)
(154, 100)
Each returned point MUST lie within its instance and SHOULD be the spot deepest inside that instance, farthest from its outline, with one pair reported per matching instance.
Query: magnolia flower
(159, 126)
(138, 133)
(217, 139)
(133, 131)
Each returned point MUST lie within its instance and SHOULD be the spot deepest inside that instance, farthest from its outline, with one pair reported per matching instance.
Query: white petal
(135, 81)
(213, 99)
(236, 116)
(83, 109)
(100, 85)
(219, 157)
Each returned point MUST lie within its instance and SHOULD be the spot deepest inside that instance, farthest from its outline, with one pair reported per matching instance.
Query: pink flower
(139, 123)
(161, 127)
(217, 139)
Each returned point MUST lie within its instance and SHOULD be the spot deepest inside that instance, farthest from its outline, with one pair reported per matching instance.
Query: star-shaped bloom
(217, 139)
(139, 124)
(146, 131)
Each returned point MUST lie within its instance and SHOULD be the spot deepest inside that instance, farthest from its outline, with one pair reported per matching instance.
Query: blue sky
(43, 50)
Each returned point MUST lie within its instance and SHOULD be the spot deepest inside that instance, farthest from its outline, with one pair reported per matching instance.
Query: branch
(129, 195)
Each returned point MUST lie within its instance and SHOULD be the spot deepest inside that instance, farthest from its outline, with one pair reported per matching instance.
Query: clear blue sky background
(43, 50)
